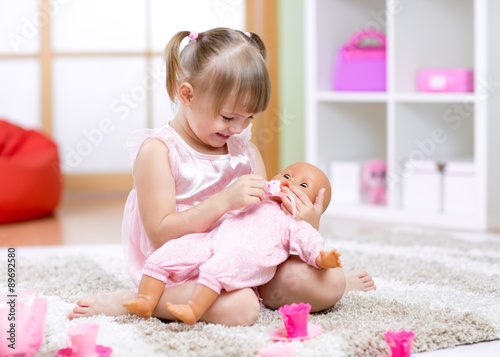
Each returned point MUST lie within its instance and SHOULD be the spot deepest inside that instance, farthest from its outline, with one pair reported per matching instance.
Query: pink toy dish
(295, 318)
(399, 343)
(81, 342)
(277, 350)
(25, 333)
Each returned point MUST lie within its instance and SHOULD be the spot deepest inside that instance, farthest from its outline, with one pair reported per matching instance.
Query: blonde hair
(221, 64)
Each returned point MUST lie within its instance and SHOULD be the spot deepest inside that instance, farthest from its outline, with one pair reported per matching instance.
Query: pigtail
(173, 62)
(257, 41)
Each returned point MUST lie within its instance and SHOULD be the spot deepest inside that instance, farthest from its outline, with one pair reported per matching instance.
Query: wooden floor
(96, 219)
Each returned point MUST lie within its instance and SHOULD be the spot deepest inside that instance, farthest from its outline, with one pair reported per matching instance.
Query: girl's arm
(156, 197)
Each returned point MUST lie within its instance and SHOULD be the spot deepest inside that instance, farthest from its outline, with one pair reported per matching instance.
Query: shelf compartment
(430, 131)
(351, 132)
(343, 19)
(431, 34)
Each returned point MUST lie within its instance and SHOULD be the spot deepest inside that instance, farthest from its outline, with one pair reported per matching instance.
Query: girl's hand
(246, 190)
(306, 210)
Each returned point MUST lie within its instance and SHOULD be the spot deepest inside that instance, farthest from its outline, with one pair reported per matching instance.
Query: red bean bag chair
(30, 176)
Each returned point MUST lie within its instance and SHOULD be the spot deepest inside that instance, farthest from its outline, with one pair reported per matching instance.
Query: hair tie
(247, 34)
(193, 35)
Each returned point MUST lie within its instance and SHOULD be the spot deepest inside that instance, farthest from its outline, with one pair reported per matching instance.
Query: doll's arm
(329, 259)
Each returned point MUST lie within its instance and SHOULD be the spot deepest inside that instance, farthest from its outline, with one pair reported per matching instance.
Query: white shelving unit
(351, 126)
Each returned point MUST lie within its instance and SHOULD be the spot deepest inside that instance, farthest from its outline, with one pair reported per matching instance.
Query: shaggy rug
(444, 287)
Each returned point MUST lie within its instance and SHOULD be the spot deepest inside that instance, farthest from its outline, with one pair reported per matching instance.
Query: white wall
(103, 84)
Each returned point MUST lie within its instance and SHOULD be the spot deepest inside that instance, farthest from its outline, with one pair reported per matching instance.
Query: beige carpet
(445, 288)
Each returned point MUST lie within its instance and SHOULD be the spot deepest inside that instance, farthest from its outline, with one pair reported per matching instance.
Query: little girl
(190, 173)
(243, 251)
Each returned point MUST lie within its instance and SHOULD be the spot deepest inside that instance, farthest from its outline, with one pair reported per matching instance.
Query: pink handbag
(361, 68)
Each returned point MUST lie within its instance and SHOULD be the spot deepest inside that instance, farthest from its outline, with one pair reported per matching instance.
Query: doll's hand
(306, 210)
(246, 190)
(329, 259)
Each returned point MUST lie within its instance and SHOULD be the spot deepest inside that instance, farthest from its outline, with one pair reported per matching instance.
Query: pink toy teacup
(399, 342)
(295, 318)
(22, 323)
(81, 339)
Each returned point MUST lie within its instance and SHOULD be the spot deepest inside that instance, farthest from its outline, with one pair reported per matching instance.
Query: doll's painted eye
(287, 176)
(303, 184)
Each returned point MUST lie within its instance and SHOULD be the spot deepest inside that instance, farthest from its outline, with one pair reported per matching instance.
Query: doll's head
(222, 65)
(307, 178)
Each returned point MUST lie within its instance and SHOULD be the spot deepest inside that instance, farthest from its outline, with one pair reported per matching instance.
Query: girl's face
(215, 130)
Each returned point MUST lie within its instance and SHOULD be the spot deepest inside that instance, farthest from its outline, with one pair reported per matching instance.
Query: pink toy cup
(295, 318)
(22, 323)
(82, 339)
(399, 342)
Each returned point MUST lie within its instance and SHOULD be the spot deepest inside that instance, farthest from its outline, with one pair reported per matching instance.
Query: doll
(243, 251)
(373, 181)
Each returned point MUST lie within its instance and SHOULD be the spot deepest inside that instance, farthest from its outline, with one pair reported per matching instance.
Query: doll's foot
(109, 304)
(358, 280)
(183, 312)
(140, 306)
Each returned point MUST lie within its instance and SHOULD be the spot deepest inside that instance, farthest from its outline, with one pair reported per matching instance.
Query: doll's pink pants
(244, 251)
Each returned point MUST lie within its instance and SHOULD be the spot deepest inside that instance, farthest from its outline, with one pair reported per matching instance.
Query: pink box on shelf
(446, 80)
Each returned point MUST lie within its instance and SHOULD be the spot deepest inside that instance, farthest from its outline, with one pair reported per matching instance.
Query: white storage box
(345, 178)
(459, 181)
(422, 187)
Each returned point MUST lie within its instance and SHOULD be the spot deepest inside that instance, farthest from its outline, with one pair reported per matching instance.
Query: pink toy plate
(100, 351)
(281, 335)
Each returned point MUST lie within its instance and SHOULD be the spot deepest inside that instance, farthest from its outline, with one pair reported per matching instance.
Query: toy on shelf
(81, 342)
(458, 80)
(22, 323)
(399, 343)
(359, 67)
(296, 326)
(373, 181)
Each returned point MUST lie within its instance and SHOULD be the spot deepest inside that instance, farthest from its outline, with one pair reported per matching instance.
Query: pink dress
(197, 177)
(243, 251)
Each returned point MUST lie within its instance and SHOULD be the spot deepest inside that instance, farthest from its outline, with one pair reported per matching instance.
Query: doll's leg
(150, 292)
(243, 305)
(202, 298)
(235, 308)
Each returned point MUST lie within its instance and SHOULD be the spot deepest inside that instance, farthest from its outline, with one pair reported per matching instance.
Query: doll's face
(307, 178)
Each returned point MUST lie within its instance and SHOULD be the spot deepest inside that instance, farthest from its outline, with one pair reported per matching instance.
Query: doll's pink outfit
(243, 251)
(197, 176)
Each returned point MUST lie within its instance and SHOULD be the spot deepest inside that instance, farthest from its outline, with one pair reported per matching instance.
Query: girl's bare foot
(109, 304)
(358, 280)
